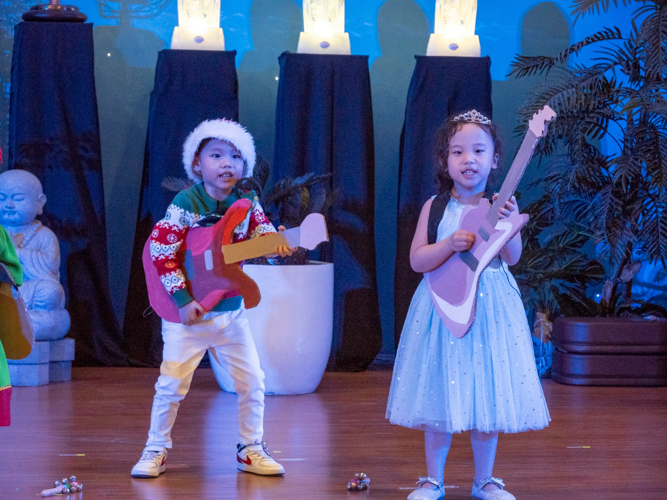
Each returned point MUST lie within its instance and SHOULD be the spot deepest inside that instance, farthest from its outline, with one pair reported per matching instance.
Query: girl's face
(471, 158)
(220, 165)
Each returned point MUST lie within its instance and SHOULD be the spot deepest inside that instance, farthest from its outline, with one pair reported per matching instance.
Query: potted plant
(552, 266)
(617, 195)
(293, 324)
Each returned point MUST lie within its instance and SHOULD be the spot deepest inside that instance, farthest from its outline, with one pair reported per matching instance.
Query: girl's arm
(512, 251)
(425, 258)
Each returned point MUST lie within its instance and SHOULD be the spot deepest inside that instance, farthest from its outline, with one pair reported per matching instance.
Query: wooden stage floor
(603, 443)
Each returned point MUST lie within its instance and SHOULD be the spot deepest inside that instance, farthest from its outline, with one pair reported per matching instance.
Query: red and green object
(16, 335)
(5, 390)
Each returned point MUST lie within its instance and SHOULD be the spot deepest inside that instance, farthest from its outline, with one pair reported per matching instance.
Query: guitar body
(453, 286)
(208, 278)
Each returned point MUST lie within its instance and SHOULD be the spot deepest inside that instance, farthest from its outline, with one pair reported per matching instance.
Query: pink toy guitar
(453, 286)
(211, 261)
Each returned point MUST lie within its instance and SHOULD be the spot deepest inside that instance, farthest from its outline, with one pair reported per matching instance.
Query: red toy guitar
(453, 286)
(211, 261)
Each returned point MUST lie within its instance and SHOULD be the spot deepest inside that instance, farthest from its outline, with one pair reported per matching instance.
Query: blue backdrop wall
(129, 33)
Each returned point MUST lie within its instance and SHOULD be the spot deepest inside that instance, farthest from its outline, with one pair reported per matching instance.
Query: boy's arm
(166, 239)
(258, 225)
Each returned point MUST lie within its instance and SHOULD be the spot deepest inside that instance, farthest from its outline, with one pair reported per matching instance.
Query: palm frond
(582, 7)
(534, 65)
(176, 184)
(652, 36)
(294, 197)
(261, 171)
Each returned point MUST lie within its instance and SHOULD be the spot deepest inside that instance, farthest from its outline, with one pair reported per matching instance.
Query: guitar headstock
(538, 123)
(313, 231)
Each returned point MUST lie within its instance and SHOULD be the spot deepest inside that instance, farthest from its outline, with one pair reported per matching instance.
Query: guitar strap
(438, 206)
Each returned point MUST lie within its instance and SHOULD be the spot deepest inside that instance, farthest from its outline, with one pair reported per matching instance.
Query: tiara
(472, 116)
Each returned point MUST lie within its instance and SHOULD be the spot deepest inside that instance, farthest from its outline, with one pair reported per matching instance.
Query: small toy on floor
(359, 482)
(64, 487)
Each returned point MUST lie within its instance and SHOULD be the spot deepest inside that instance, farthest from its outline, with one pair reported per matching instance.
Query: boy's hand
(462, 241)
(510, 206)
(191, 313)
(284, 250)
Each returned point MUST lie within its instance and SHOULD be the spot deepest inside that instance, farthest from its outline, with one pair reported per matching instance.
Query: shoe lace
(151, 456)
(262, 453)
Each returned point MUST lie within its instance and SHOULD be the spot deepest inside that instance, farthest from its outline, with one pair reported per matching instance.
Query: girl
(485, 382)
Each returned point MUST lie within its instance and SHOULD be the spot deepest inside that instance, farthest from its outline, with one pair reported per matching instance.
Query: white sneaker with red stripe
(256, 459)
(151, 464)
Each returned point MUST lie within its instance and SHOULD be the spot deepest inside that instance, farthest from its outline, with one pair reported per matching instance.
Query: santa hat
(223, 130)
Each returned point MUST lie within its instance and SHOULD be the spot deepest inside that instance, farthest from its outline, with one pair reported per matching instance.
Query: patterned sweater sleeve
(255, 225)
(166, 239)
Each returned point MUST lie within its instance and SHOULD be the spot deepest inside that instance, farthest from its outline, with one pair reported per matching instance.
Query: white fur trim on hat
(223, 130)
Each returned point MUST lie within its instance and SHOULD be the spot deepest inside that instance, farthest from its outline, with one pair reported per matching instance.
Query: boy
(215, 155)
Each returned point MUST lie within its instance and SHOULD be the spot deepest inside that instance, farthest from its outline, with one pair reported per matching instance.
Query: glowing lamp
(454, 29)
(198, 26)
(324, 28)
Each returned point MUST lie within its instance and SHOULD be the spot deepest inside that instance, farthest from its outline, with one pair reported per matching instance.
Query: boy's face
(220, 165)
(471, 158)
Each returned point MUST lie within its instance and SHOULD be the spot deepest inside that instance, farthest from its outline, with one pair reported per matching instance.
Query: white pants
(231, 344)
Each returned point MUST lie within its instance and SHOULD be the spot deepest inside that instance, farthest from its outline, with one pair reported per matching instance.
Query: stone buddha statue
(21, 200)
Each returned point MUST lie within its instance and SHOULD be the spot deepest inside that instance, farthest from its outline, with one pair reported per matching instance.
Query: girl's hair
(442, 138)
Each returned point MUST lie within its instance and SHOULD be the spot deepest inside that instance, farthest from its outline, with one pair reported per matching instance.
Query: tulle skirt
(486, 381)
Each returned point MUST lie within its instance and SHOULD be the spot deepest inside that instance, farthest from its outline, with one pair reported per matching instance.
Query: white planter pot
(292, 326)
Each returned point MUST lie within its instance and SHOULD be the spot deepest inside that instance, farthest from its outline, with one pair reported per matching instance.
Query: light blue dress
(487, 380)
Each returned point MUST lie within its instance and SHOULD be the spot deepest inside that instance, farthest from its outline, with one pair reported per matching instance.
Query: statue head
(21, 198)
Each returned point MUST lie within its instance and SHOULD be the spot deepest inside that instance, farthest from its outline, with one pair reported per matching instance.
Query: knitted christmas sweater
(188, 207)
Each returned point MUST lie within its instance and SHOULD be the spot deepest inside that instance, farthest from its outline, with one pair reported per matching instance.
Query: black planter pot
(610, 351)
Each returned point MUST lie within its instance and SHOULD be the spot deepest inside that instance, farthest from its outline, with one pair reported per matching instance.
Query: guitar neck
(311, 232)
(514, 176)
(258, 247)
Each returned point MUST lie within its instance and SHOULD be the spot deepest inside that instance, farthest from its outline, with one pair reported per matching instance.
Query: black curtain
(54, 133)
(440, 87)
(324, 124)
(190, 86)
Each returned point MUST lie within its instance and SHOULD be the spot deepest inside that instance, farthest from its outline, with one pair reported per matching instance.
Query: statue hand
(17, 239)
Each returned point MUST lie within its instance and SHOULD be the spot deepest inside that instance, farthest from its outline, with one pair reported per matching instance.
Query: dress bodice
(450, 219)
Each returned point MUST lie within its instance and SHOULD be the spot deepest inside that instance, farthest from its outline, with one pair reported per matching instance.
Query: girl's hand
(284, 250)
(510, 206)
(191, 313)
(462, 241)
